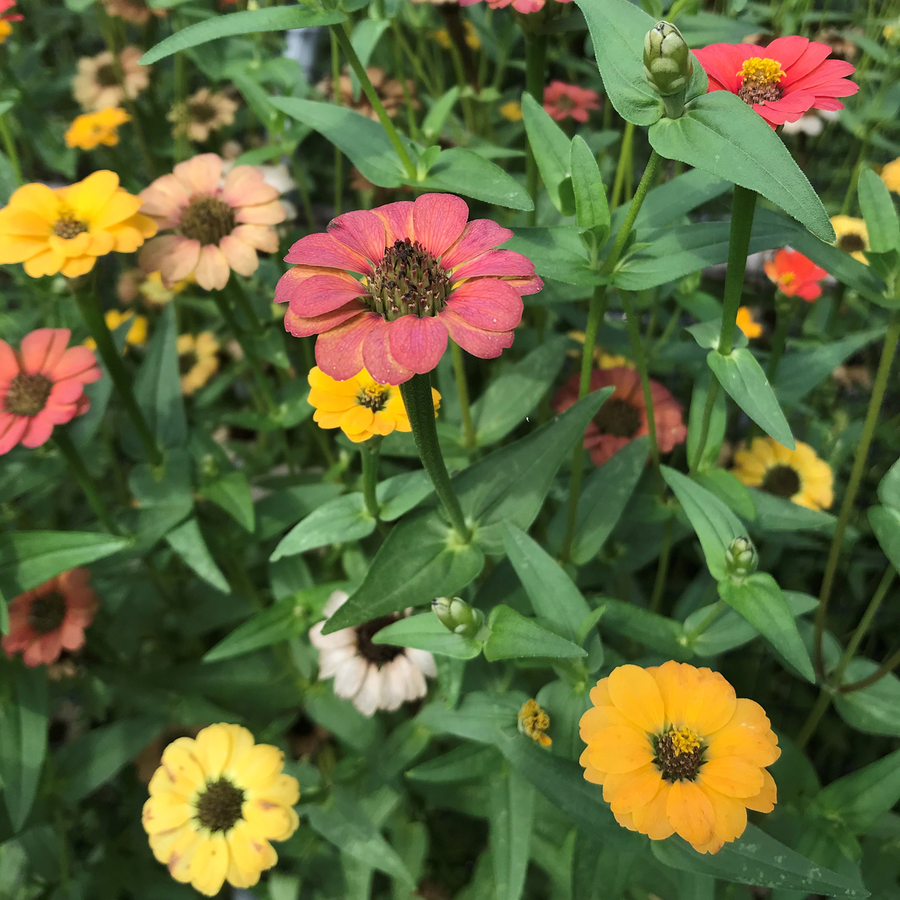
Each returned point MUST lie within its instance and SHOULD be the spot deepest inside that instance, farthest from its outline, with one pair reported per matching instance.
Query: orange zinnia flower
(795, 275)
(678, 753)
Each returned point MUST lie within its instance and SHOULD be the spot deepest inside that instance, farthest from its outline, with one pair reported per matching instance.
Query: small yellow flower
(890, 175)
(156, 293)
(534, 722)
(215, 804)
(747, 323)
(851, 236)
(6, 30)
(512, 110)
(602, 359)
(470, 34)
(360, 406)
(798, 475)
(137, 334)
(198, 360)
(92, 129)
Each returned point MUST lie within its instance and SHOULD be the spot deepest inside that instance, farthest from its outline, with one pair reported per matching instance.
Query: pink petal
(487, 303)
(65, 392)
(417, 344)
(241, 257)
(262, 237)
(43, 348)
(291, 279)
(11, 430)
(397, 219)
(438, 220)
(304, 327)
(362, 231)
(200, 175)
(38, 432)
(9, 364)
(788, 50)
(339, 351)
(377, 356)
(323, 293)
(261, 214)
(495, 262)
(173, 256)
(526, 285)
(480, 343)
(77, 362)
(212, 269)
(479, 235)
(72, 635)
(245, 186)
(325, 250)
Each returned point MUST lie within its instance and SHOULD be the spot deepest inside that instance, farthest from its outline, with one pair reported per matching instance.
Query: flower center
(618, 417)
(679, 755)
(219, 806)
(106, 76)
(564, 102)
(187, 361)
(786, 278)
(534, 722)
(783, 481)
(202, 112)
(46, 613)
(67, 226)
(760, 80)
(851, 243)
(207, 219)
(27, 394)
(374, 396)
(376, 653)
(408, 281)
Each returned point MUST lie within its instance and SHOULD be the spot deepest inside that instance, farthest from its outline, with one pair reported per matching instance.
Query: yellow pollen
(786, 278)
(761, 72)
(374, 396)
(684, 741)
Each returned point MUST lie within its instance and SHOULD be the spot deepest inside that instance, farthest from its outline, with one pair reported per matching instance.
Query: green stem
(720, 607)
(785, 309)
(243, 302)
(709, 406)
(812, 722)
(535, 67)
(182, 144)
(462, 391)
(372, 95)
(82, 476)
(369, 456)
(420, 408)
(89, 305)
(885, 668)
(834, 316)
(336, 96)
(856, 473)
(742, 209)
(10, 146)
(662, 570)
(624, 155)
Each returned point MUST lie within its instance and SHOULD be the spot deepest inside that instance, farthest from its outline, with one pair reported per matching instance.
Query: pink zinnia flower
(42, 385)
(522, 6)
(782, 81)
(623, 417)
(564, 101)
(422, 272)
(218, 225)
(795, 275)
(51, 618)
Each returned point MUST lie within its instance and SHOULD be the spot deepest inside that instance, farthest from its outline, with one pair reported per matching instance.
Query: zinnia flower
(359, 406)
(623, 417)
(66, 229)
(565, 101)
(678, 753)
(389, 91)
(215, 804)
(782, 81)
(425, 273)
(473, 42)
(218, 225)
(92, 129)
(533, 722)
(890, 175)
(522, 6)
(96, 85)
(6, 18)
(747, 323)
(511, 111)
(797, 475)
(42, 385)
(136, 11)
(137, 333)
(202, 113)
(373, 676)
(51, 618)
(795, 275)
(851, 236)
(198, 360)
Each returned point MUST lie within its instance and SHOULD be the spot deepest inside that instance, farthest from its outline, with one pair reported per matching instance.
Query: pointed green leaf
(889, 487)
(550, 147)
(232, 493)
(874, 709)
(557, 253)
(648, 628)
(510, 821)
(879, 211)
(426, 632)
(591, 207)
(513, 636)
(339, 521)
(858, 800)
(188, 542)
(885, 523)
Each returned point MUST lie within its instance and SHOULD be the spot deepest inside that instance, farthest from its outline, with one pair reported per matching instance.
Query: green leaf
(591, 207)
(762, 603)
(188, 542)
(885, 523)
(745, 381)
(232, 493)
(29, 558)
(674, 199)
(879, 212)
(557, 253)
(510, 821)
(717, 423)
(874, 709)
(617, 30)
(462, 171)
(281, 508)
(513, 636)
(398, 495)
(433, 123)
(724, 136)
(889, 487)
(479, 717)
(550, 147)
(729, 490)
(648, 628)
(23, 741)
(465, 763)
(339, 521)
(553, 595)
(858, 800)
(425, 632)
(780, 514)
(715, 524)
(250, 22)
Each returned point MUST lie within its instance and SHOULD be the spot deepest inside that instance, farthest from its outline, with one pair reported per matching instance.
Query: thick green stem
(535, 67)
(662, 569)
(785, 309)
(742, 209)
(856, 473)
(462, 392)
(369, 454)
(10, 146)
(624, 156)
(420, 408)
(83, 477)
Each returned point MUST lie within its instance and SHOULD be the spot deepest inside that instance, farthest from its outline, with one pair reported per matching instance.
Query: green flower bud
(741, 558)
(457, 616)
(667, 60)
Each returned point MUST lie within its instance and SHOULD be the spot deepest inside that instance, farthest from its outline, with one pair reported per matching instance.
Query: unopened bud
(457, 616)
(741, 558)
(667, 59)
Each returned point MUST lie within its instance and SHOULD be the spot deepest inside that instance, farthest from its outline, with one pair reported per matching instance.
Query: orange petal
(635, 693)
(652, 818)
(710, 705)
(731, 814)
(599, 717)
(640, 788)
(766, 799)
(620, 749)
(600, 693)
(690, 812)
(733, 776)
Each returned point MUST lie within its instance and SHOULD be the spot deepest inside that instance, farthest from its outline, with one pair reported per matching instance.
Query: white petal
(346, 637)
(415, 683)
(335, 602)
(350, 677)
(394, 678)
(333, 659)
(366, 700)
(423, 660)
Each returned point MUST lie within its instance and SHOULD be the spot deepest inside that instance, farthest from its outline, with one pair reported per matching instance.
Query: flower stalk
(462, 391)
(369, 453)
(66, 446)
(535, 68)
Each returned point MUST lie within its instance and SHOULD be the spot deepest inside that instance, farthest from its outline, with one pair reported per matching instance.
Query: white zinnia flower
(373, 676)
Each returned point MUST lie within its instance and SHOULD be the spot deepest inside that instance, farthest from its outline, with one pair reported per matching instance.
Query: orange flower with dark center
(795, 275)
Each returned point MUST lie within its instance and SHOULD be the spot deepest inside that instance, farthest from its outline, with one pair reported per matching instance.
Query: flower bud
(457, 616)
(741, 558)
(667, 59)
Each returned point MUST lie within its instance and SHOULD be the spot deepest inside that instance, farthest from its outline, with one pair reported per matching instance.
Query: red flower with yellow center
(795, 275)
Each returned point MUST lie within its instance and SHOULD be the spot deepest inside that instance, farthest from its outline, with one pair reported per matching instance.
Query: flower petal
(299, 326)
(479, 236)
(43, 348)
(201, 174)
(212, 268)
(326, 250)
(323, 294)
(487, 303)
(379, 360)
(438, 220)
(339, 350)
(362, 231)
(477, 341)
(417, 344)
(690, 812)
(620, 748)
(636, 695)
(397, 219)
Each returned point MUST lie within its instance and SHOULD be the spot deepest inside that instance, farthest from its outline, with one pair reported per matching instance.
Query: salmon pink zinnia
(423, 272)
(521, 6)
(42, 385)
(781, 81)
(564, 101)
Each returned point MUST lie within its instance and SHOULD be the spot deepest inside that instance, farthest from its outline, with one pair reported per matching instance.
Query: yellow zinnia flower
(798, 475)
(137, 334)
(512, 111)
(360, 406)
(890, 175)
(92, 129)
(851, 236)
(747, 323)
(442, 36)
(66, 229)
(215, 803)
(678, 753)
(198, 360)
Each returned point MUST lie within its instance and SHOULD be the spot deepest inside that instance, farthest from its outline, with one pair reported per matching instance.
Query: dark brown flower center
(618, 417)
(374, 396)
(564, 101)
(27, 394)
(408, 281)
(68, 227)
(207, 219)
(46, 613)
(202, 113)
(679, 755)
(106, 76)
(783, 481)
(376, 653)
(219, 806)
(187, 361)
(851, 243)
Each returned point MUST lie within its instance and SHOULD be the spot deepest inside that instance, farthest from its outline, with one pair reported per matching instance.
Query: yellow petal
(766, 799)
(88, 197)
(642, 786)
(165, 812)
(270, 820)
(48, 262)
(732, 776)
(256, 767)
(249, 853)
(209, 865)
(634, 692)
(730, 813)
(36, 198)
(212, 749)
(652, 819)
(710, 705)
(182, 765)
(620, 749)
(690, 812)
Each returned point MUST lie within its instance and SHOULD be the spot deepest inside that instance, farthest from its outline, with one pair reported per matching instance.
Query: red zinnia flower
(42, 385)
(563, 101)
(795, 275)
(782, 81)
(522, 6)
(624, 415)
(6, 17)
(424, 272)
(50, 618)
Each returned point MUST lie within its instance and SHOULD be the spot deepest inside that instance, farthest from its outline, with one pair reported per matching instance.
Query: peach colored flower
(96, 85)
(137, 11)
(201, 114)
(217, 225)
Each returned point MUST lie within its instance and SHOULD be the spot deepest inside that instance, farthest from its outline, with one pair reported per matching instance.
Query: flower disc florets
(760, 80)
(27, 394)
(219, 806)
(408, 281)
(679, 755)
